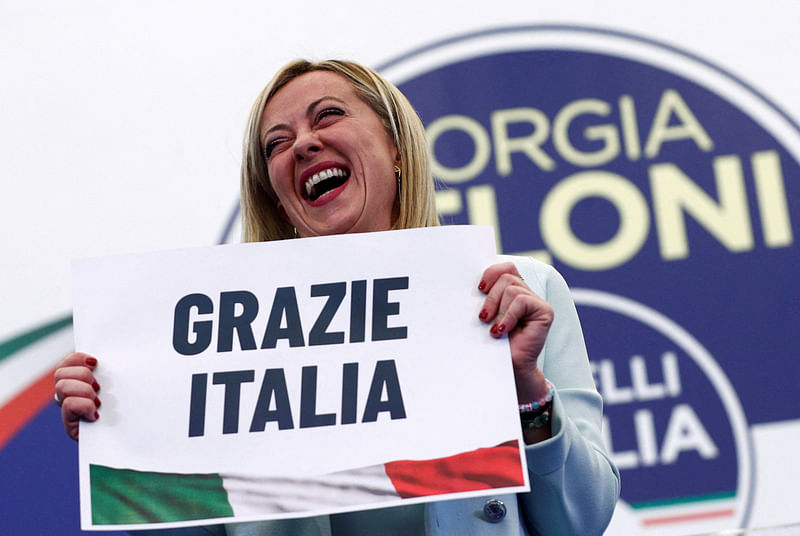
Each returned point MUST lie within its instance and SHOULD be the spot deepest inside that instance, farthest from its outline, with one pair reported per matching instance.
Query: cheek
(278, 177)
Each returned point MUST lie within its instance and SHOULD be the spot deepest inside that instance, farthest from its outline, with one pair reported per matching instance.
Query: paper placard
(238, 378)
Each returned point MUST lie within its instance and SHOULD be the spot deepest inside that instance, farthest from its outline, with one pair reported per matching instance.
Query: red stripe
(22, 408)
(489, 468)
(688, 517)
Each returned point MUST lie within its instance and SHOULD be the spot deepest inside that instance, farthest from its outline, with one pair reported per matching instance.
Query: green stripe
(16, 344)
(123, 496)
(684, 500)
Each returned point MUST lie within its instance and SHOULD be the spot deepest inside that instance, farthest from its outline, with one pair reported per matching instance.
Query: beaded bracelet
(536, 405)
(537, 414)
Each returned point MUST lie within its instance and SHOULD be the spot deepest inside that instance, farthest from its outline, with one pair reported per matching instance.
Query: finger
(75, 388)
(75, 365)
(493, 304)
(76, 409)
(78, 359)
(510, 293)
(493, 273)
(80, 373)
(525, 308)
(75, 381)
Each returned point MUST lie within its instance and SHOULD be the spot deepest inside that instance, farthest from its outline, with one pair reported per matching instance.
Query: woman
(333, 148)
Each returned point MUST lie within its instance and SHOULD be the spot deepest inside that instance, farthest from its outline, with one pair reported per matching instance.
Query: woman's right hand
(76, 390)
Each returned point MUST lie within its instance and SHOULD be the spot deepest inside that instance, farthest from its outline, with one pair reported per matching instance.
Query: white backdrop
(121, 122)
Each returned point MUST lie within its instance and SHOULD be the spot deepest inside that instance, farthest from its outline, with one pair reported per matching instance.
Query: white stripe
(21, 369)
(249, 495)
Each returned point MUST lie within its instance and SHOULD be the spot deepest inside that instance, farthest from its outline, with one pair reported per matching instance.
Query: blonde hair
(261, 220)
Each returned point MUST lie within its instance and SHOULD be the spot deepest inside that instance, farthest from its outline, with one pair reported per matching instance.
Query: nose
(306, 144)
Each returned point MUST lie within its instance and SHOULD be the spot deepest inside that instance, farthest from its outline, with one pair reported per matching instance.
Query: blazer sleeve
(574, 483)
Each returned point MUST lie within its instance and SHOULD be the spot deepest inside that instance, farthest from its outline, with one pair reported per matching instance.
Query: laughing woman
(333, 148)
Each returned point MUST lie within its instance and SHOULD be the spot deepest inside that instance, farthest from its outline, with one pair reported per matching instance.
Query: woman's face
(330, 160)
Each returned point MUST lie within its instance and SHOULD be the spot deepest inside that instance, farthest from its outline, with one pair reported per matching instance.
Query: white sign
(232, 375)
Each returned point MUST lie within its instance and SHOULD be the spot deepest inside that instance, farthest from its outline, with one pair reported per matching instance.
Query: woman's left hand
(514, 309)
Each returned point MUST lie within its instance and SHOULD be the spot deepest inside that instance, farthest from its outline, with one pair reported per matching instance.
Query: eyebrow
(309, 108)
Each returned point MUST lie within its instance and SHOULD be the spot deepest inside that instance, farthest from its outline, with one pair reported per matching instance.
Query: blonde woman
(333, 148)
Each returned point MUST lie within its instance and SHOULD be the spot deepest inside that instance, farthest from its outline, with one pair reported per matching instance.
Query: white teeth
(321, 176)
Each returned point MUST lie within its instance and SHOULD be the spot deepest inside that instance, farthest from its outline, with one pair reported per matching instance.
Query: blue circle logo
(671, 188)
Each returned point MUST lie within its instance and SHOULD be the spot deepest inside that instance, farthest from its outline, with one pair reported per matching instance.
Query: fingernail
(96, 385)
(97, 402)
(96, 415)
(483, 314)
(494, 329)
(92, 362)
(482, 285)
(501, 328)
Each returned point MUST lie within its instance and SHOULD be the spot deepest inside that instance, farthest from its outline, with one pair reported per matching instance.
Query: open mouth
(323, 182)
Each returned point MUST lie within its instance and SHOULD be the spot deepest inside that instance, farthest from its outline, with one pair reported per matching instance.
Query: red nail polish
(482, 285)
(92, 362)
(97, 402)
(493, 329)
(483, 314)
(501, 328)
(95, 386)
(96, 415)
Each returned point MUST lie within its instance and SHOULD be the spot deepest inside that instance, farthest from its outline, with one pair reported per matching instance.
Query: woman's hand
(514, 309)
(76, 390)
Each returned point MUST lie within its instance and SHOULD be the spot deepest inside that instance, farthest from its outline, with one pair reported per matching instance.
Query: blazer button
(494, 510)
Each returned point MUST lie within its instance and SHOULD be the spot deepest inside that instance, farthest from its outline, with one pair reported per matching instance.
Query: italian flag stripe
(128, 497)
(123, 496)
(496, 467)
(27, 363)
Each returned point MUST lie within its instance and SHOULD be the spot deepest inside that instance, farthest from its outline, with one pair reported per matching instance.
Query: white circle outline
(703, 359)
(649, 52)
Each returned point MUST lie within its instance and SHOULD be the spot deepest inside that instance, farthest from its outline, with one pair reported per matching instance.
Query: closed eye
(271, 145)
(328, 112)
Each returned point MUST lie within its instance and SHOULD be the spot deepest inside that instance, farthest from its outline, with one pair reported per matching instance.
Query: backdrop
(649, 152)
